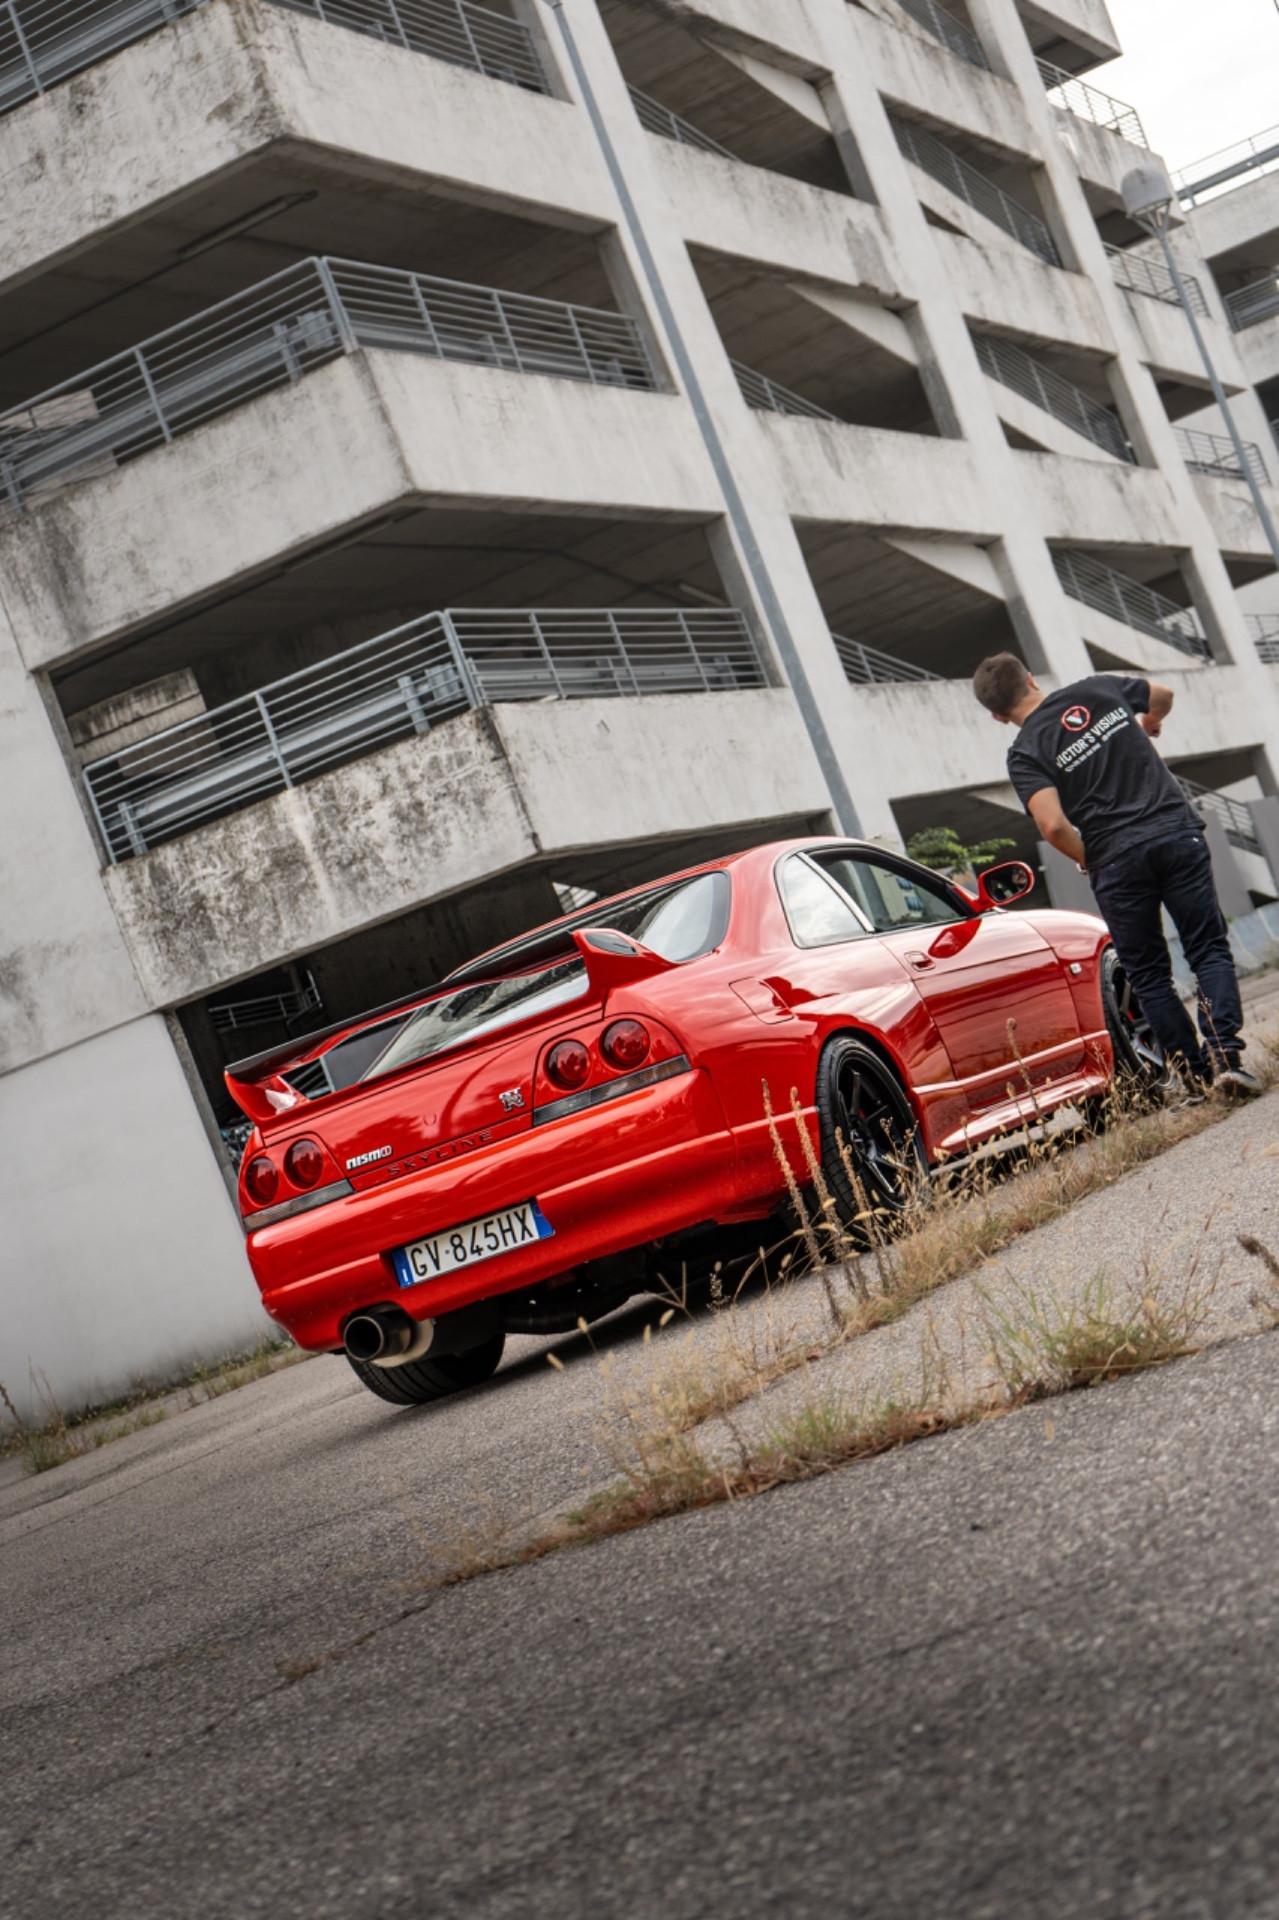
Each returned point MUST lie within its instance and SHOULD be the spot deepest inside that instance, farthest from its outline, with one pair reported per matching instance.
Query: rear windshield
(678, 922)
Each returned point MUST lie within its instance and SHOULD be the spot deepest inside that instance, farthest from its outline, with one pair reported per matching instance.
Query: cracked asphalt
(1023, 1669)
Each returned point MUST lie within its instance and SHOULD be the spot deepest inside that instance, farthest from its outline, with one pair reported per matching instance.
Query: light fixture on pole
(1149, 200)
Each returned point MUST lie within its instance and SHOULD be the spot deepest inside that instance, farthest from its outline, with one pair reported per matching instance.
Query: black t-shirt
(1114, 788)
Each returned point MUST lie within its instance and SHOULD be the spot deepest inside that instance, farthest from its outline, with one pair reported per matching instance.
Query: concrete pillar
(1233, 894)
(1067, 887)
(1265, 820)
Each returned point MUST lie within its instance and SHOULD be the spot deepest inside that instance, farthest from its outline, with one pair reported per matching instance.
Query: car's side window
(818, 912)
(890, 897)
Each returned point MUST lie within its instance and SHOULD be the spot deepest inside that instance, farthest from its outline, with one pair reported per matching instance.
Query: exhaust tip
(386, 1337)
(369, 1337)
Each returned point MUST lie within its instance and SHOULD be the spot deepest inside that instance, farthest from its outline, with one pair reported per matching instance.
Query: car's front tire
(419, 1381)
(871, 1154)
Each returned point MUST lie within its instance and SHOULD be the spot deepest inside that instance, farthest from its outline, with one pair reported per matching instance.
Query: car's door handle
(920, 961)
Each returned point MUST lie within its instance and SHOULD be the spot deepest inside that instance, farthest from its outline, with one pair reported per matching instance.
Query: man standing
(1085, 771)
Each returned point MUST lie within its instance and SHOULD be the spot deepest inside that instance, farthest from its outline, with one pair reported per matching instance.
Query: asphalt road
(1026, 1669)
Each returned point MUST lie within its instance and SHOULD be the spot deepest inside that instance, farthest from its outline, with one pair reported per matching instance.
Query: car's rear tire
(419, 1381)
(862, 1103)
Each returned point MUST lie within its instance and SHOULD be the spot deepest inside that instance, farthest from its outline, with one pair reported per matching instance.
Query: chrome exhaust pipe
(387, 1337)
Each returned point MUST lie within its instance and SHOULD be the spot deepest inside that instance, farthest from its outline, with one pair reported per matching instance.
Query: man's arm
(1160, 707)
(1046, 812)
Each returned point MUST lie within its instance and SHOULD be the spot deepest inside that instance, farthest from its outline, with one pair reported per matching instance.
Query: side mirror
(1000, 886)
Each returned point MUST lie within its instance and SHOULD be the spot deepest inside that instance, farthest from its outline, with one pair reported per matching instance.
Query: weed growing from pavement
(663, 1470)
(57, 1437)
(878, 1267)
(875, 1269)
(1053, 1346)
(1266, 1303)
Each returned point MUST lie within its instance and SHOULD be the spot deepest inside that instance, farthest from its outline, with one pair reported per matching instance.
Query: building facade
(1230, 204)
(451, 455)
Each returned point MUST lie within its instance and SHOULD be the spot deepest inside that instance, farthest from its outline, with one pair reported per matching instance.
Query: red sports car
(537, 1136)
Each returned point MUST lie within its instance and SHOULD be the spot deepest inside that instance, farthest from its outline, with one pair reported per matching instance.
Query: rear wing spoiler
(613, 959)
(256, 1084)
(264, 1099)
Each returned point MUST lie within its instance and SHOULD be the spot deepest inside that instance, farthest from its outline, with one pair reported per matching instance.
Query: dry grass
(664, 1470)
(1055, 1346)
(1265, 1301)
(871, 1271)
(57, 1437)
(877, 1269)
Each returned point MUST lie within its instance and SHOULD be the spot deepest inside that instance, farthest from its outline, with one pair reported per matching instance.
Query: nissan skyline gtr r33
(584, 1108)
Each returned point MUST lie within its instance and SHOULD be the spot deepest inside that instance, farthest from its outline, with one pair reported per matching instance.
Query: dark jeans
(1174, 871)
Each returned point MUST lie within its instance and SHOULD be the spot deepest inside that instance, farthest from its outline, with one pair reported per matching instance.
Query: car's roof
(511, 950)
(525, 946)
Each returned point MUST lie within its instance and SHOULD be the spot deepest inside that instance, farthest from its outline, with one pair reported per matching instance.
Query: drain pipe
(783, 639)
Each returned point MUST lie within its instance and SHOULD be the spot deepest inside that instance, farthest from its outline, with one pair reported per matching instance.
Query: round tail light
(625, 1045)
(568, 1063)
(261, 1179)
(304, 1163)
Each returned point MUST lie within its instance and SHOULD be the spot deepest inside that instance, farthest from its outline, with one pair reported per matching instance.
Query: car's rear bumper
(616, 1177)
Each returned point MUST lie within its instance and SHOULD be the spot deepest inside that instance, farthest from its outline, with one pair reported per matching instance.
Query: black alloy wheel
(419, 1381)
(1140, 1060)
(862, 1104)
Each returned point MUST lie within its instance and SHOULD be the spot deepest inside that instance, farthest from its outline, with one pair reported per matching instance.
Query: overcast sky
(1201, 73)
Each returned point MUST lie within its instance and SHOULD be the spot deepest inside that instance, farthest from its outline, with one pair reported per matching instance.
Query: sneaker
(1182, 1089)
(1236, 1082)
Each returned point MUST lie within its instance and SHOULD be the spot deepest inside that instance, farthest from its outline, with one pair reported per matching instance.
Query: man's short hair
(1000, 682)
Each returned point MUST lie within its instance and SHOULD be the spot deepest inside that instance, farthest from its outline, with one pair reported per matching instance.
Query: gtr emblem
(512, 1100)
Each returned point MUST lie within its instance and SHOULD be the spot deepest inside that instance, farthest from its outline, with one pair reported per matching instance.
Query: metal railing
(1015, 368)
(982, 195)
(1214, 454)
(767, 396)
(659, 119)
(274, 333)
(401, 683)
(43, 42)
(1233, 814)
(1086, 102)
(1264, 628)
(1096, 585)
(1257, 301)
(867, 666)
(459, 31)
(943, 26)
(1136, 274)
(266, 1009)
(1256, 154)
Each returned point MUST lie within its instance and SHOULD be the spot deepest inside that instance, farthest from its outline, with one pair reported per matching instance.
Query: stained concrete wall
(123, 1256)
(65, 969)
(215, 90)
(466, 803)
(302, 463)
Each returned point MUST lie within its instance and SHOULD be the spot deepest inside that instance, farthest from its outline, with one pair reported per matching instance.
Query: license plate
(466, 1246)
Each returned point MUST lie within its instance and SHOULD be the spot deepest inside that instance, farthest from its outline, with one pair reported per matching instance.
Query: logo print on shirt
(1076, 719)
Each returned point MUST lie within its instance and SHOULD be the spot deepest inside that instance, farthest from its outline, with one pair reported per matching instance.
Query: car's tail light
(304, 1163)
(261, 1179)
(568, 1063)
(604, 1061)
(625, 1045)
